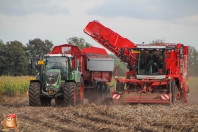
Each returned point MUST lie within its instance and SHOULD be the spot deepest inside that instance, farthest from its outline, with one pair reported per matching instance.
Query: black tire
(45, 101)
(181, 97)
(173, 91)
(119, 87)
(70, 93)
(34, 94)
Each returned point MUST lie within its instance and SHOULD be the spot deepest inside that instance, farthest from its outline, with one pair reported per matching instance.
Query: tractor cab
(56, 61)
(56, 68)
(151, 62)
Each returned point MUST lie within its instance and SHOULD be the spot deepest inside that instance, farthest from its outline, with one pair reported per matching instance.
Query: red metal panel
(58, 49)
(108, 38)
(94, 50)
(141, 98)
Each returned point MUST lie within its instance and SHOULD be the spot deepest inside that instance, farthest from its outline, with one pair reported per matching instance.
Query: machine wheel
(180, 96)
(69, 92)
(119, 86)
(34, 94)
(173, 91)
(45, 101)
(80, 91)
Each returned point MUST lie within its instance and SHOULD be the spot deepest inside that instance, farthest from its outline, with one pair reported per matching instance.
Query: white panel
(100, 64)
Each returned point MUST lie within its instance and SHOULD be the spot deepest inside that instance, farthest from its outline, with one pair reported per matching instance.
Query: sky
(174, 21)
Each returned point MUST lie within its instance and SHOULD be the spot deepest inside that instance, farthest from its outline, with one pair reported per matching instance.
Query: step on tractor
(69, 75)
(157, 72)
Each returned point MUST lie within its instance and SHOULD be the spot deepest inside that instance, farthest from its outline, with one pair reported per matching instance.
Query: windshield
(151, 62)
(56, 62)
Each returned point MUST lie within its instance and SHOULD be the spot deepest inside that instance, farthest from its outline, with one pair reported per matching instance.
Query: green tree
(37, 47)
(80, 42)
(157, 41)
(121, 67)
(193, 61)
(3, 58)
(16, 59)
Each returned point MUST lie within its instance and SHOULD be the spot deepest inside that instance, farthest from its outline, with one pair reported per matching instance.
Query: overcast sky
(175, 21)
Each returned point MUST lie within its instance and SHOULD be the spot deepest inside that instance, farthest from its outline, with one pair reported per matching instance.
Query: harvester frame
(168, 85)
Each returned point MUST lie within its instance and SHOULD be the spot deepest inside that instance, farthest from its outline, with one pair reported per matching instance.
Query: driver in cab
(151, 63)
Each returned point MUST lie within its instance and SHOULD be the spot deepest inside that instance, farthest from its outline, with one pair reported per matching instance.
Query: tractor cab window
(56, 62)
(150, 62)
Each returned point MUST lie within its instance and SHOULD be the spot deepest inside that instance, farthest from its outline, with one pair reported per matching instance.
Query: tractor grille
(51, 77)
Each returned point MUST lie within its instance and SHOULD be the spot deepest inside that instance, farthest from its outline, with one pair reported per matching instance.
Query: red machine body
(157, 72)
(95, 65)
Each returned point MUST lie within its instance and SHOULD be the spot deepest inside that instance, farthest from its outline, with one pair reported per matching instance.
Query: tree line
(15, 56)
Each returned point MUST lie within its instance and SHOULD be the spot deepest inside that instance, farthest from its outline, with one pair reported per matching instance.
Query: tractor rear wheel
(34, 94)
(70, 93)
(119, 86)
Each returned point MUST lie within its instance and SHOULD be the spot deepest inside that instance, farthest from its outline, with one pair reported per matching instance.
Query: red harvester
(157, 72)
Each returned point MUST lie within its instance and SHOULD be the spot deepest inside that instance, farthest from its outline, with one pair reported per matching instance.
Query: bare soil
(101, 118)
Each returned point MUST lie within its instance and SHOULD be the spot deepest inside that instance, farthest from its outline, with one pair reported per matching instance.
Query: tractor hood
(52, 77)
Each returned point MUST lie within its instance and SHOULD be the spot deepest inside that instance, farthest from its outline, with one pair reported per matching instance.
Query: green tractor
(57, 78)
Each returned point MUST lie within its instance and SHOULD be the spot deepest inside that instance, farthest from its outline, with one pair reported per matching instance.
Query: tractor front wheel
(70, 93)
(34, 94)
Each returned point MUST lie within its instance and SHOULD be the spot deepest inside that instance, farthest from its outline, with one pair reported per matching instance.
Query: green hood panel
(52, 77)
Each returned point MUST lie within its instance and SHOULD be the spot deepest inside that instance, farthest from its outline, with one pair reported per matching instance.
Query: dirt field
(102, 118)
